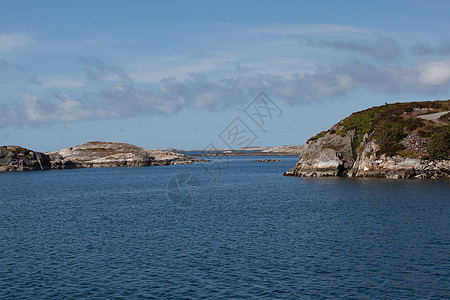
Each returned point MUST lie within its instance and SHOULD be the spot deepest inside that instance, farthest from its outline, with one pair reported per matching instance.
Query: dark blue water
(247, 233)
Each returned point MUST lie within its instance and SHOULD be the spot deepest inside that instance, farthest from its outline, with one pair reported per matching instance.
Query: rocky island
(401, 140)
(268, 160)
(88, 155)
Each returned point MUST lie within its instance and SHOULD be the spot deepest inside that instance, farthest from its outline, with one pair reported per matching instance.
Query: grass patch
(408, 153)
(400, 120)
(389, 123)
(360, 122)
(317, 136)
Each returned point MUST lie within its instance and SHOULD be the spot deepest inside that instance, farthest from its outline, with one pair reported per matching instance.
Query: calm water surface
(249, 233)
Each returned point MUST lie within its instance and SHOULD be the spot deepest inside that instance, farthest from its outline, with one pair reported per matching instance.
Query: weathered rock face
(390, 141)
(15, 158)
(88, 155)
(108, 154)
(396, 167)
(330, 155)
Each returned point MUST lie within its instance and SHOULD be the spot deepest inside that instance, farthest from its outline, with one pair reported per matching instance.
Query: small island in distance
(400, 140)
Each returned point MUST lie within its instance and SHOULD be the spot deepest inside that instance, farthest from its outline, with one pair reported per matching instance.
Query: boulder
(330, 155)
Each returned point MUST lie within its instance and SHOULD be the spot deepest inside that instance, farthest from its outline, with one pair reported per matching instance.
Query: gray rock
(109, 154)
(267, 160)
(88, 155)
(330, 155)
(16, 158)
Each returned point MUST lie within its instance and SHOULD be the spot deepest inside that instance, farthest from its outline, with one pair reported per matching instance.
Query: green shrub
(439, 146)
(388, 135)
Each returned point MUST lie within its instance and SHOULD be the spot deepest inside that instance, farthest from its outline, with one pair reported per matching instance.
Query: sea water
(229, 228)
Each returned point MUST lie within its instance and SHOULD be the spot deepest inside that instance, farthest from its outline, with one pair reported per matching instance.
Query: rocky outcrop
(15, 158)
(268, 160)
(330, 155)
(286, 149)
(391, 141)
(88, 155)
(108, 154)
(397, 166)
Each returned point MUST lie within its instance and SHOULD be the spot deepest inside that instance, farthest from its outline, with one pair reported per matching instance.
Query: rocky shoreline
(88, 155)
(403, 140)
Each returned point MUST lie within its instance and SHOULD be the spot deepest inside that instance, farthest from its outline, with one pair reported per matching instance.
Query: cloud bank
(442, 49)
(121, 98)
(109, 91)
(383, 47)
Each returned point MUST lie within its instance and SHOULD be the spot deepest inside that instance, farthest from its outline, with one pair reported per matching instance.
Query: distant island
(401, 140)
(89, 155)
(110, 154)
(285, 150)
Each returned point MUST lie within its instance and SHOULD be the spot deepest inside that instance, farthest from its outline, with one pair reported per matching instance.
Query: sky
(184, 74)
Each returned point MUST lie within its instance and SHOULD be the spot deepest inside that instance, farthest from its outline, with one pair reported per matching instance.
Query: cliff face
(88, 155)
(15, 158)
(403, 140)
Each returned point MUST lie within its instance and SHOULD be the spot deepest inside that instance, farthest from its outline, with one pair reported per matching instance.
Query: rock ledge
(88, 155)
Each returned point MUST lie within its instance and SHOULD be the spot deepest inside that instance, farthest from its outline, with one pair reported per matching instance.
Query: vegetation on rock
(388, 135)
(317, 136)
(401, 140)
(439, 147)
(390, 123)
(19, 151)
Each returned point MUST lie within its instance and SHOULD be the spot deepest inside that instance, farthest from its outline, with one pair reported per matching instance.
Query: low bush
(388, 135)
(439, 146)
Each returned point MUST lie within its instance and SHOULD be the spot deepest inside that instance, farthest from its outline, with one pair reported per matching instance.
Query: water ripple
(112, 233)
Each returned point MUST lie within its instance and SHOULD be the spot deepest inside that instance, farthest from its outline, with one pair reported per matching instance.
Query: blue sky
(162, 74)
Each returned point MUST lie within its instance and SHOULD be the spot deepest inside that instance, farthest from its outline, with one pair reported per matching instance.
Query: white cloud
(10, 42)
(123, 98)
(151, 70)
(434, 73)
(199, 91)
(59, 109)
(310, 29)
(58, 82)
